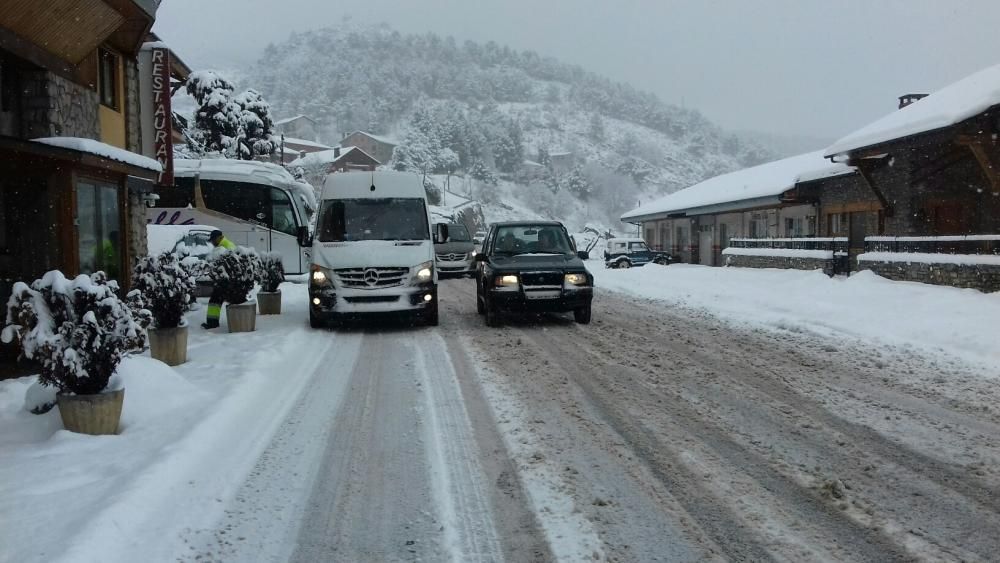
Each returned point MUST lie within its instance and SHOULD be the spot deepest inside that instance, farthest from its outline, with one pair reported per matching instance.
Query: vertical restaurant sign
(162, 139)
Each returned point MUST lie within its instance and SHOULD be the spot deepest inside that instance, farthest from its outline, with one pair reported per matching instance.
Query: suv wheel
(624, 264)
(492, 315)
(582, 315)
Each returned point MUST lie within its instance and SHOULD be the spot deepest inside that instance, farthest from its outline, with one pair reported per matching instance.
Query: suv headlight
(320, 276)
(424, 272)
(508, 281)
(570, 280)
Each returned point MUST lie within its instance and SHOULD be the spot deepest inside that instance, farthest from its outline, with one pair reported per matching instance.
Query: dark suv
(531, 266)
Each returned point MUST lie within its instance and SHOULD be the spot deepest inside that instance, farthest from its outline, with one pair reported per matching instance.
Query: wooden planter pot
(242, 317)
(269, 303)
(169, 345)
(92, 414)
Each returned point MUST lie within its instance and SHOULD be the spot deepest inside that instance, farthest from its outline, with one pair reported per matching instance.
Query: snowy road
(651, 435)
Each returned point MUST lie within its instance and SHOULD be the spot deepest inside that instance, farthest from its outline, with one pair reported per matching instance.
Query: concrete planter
(242, 317)
(169, 345)
(92, 414)
(270, 303)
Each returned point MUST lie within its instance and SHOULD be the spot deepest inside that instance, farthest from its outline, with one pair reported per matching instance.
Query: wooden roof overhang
(59, 34)
(28, 150)
(977, 135)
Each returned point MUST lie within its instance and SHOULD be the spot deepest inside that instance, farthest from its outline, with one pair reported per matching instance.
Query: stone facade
(138, 243)
(984, 277)
(781, 262)
(133, 135)
(53, 106)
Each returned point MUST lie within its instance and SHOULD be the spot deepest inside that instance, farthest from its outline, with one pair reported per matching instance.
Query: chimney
(907, 99)
(336, 152)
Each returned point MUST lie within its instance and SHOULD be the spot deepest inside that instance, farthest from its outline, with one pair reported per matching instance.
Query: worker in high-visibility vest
(215, 301)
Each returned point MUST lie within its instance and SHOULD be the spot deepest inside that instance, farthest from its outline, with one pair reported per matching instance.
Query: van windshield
(458, 233)
(373, 219)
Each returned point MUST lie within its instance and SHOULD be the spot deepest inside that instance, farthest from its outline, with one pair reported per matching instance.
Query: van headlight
(572, 280)
(320, 276)
(425, 272)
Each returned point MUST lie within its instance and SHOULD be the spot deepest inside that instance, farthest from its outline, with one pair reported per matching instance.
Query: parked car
(531, 266)
(455, 257)
(628, 252)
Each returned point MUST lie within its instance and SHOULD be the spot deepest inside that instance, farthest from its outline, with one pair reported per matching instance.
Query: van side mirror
(303, 235)
(440, 233)
(583, 255)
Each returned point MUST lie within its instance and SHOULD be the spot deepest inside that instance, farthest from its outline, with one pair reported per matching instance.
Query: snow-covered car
(455, 256)
(532, 266)
(629, 252)
(190, 242)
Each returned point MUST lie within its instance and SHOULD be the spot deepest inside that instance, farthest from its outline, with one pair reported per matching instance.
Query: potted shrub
(272, 274)
(166, 288)
(78, 331)
(234, 273)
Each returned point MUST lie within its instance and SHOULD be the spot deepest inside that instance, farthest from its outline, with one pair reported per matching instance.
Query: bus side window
(283, 216)
(181, 194)
(250, 202)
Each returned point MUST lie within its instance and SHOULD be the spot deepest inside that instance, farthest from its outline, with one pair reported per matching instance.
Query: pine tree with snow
(480, 172)
(257, 126)
(218, 120)
(578, 184)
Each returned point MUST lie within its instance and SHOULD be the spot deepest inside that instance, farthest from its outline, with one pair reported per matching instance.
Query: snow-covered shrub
(166, 288)
(196, 268)
(77, 330)
(272, 272)
(234, 272)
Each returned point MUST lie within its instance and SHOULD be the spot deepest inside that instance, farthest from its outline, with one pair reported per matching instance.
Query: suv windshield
(458, 233)
(530, 239)
(373, 219)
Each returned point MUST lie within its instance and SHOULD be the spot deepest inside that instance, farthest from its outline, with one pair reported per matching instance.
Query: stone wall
(984, 277)
(133, 135)
(55, 107)
(780, 262)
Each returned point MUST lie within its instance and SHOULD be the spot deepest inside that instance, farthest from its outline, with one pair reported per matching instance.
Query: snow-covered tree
(257, 125)
(218, 120)
(578, 184)
(166, 288)
(480, 172)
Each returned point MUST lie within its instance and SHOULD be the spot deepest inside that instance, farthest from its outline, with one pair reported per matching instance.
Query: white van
(372, 250)
(255, 204)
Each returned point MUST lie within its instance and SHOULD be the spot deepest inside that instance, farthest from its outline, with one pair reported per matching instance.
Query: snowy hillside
(525, 123)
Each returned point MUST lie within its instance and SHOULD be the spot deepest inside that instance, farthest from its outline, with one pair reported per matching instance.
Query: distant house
(561, 161)
(379, 147)
(298, 127)
(772, 200)
(292, 148)
(316, 165)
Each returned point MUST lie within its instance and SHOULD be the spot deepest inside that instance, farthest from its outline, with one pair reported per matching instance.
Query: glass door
(98, 224)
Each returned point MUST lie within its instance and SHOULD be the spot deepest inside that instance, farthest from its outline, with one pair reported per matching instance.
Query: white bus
(255, 204)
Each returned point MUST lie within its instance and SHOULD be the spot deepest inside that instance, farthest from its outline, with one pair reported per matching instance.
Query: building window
(109, 78)
(758, 225)
(723, 236)
(98, 222)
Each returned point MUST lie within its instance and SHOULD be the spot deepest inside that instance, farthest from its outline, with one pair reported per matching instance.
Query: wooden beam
(866, 174)
(983, 147)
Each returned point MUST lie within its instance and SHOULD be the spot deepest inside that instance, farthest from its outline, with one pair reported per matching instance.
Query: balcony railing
(958, 244)
(834, 244)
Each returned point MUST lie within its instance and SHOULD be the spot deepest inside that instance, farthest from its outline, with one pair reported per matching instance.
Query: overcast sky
(818, 68)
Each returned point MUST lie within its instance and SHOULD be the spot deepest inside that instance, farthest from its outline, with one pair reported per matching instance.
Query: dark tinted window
(528, 239)
(373, 219)
(458, 233)
(181, 194)
(282, 214)
(250, 202)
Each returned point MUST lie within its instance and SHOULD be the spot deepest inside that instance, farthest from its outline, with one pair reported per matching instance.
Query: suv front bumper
(567, 300)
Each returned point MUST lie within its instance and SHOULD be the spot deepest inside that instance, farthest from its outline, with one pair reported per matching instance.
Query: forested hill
(502, 106)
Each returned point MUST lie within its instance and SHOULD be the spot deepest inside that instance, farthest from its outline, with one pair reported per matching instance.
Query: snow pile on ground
(110, 498)
(934, 319)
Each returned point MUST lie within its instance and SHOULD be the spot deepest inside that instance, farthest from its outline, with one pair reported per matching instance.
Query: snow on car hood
(372, 253)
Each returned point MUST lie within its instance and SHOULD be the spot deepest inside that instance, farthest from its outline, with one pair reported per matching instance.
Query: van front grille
(371, 278)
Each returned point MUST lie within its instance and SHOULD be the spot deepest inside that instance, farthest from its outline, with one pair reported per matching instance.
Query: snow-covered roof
(102, 150)
(305, 143)
(952, 104)
(246, 171)
(379, 138)
(325, 157)
(768, 180)
(293, 118)
(348, 185)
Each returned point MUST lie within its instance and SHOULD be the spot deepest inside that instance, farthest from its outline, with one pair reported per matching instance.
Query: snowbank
(946, 320)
